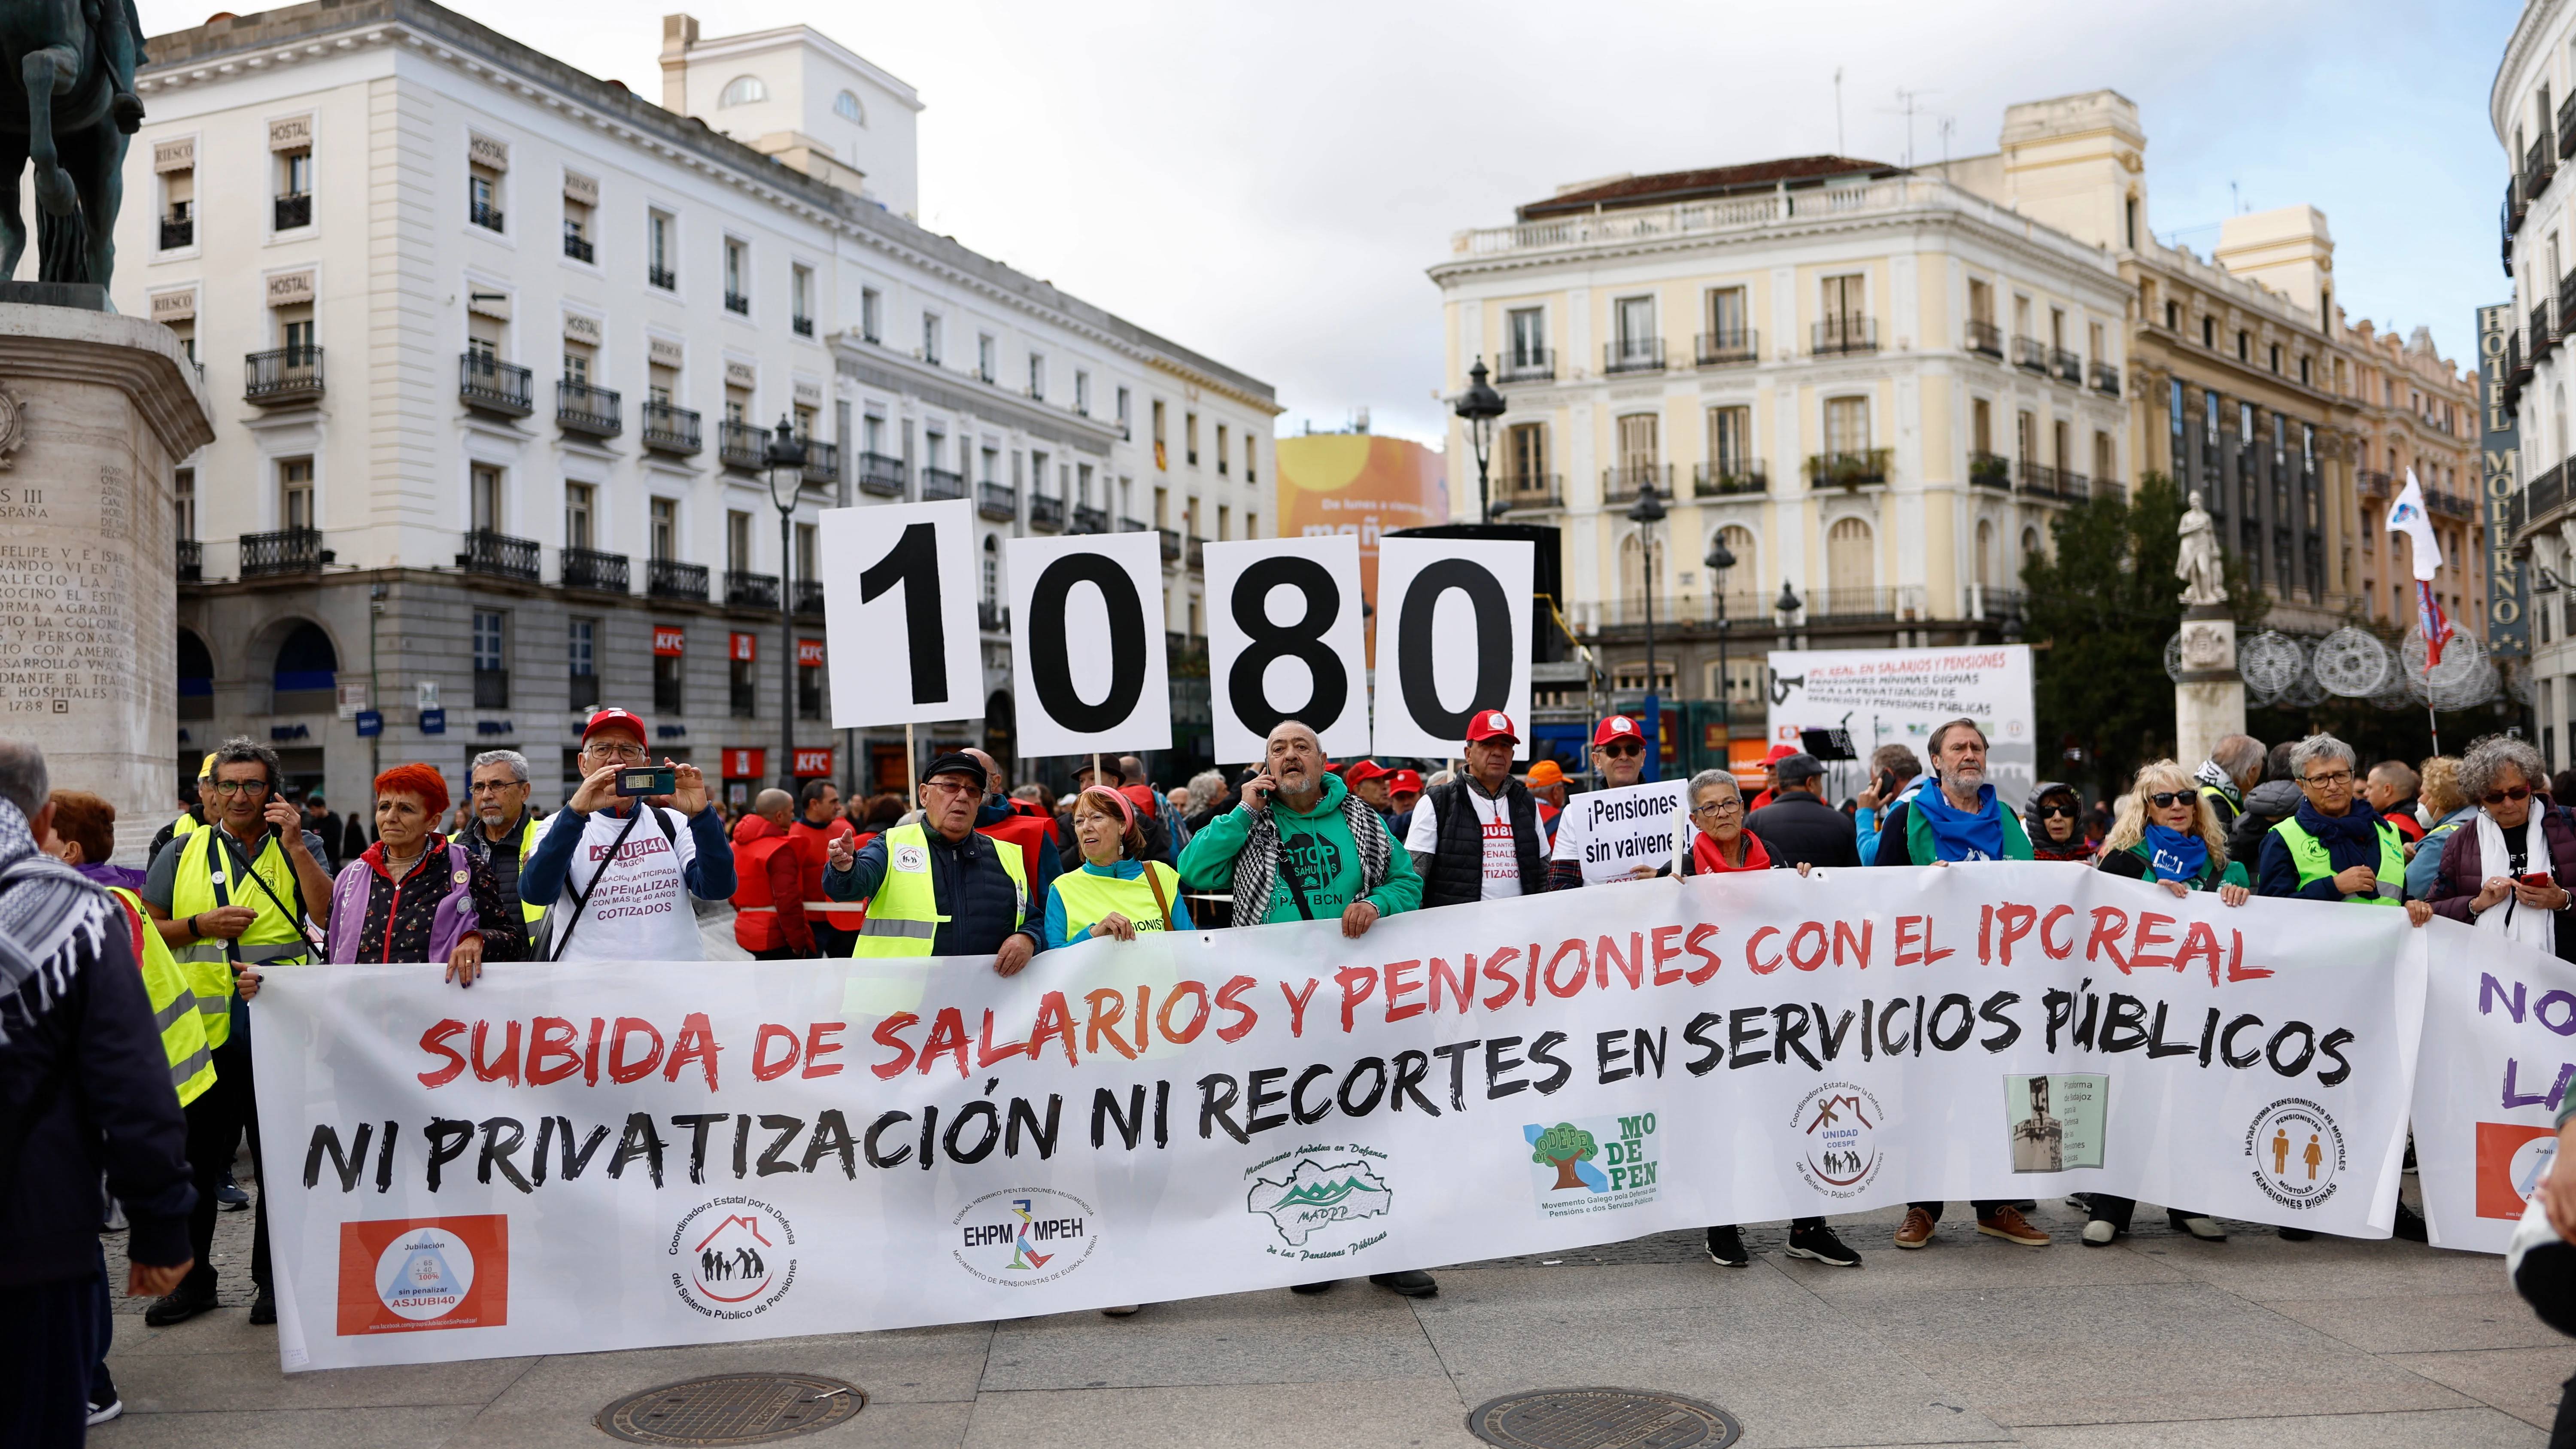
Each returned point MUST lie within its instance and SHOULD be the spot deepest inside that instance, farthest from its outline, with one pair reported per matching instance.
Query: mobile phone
(647, 780)
(2538, 878)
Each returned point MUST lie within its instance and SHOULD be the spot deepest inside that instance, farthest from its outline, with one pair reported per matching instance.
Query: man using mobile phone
(649, 854)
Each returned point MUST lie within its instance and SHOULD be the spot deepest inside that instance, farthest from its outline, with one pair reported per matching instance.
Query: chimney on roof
(679, 34)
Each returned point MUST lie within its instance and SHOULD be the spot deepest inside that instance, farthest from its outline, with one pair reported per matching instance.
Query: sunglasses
(2498, 797)
(2166, 799)
(2062, 811)
(1630, 748)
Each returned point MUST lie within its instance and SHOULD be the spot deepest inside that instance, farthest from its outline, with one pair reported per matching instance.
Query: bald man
(769, 896)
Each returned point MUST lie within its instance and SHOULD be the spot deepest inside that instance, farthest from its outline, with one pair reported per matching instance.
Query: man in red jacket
(810, 837)
(1014, 822)
(769, 899)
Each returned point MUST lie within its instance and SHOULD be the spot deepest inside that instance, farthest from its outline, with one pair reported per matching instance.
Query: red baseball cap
(1616, 727)
(1491, 724)
(1779, 753)
(1360, 770)
(615, 718)
(1405, 782)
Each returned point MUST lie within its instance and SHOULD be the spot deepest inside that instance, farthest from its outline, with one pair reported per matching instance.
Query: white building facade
(507, 340)
(2527, 388)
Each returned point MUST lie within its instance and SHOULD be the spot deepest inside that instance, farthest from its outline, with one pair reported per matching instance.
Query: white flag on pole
(2406, 515)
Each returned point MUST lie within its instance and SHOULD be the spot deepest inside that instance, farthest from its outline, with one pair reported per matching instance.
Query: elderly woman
(2167, 834)
(1118, 891)
(2335, 848)
(415, 895)
(2054, 820)
(2445, 810)
(2502, 870)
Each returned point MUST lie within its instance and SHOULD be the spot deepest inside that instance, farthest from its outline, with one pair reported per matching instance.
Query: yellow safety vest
(204, 881)
(174, 1009)
(1088, 897)
(904, 913)
(2309, 854)
(184, 824)
(529, 829)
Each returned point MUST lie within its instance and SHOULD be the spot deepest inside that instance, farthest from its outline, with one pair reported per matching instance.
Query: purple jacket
(455, 920)
(2456, 883)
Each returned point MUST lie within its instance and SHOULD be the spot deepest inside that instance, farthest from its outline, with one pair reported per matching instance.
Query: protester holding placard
(1477, 837)
(1958, 817)
(2502, 871)
(935, 887)
(625, 867)
(1619, 758)
(2335, 848)
(1118, 891)
(1798, 827)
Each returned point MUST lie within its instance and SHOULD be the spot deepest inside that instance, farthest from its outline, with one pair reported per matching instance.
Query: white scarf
(2534, 928)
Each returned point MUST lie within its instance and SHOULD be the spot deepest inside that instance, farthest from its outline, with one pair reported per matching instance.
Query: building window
(1221, 452)
(2244, 346)
(1726, 314)
(871, 306)
(665, 530)
(1525, 458)
(930, 338)
(295, 493)
(581, 661)
(2173, 316)
(1082, 393)
(579, 192)
(2105, 468)
(183, 502)
(2209, 333)
(743, 90)
(2273, 356)
(579, 500)
(1634, 320)
(1190, 436)
(737, 541)
(179, 206)
(661, 250)
(487, 641)
(2303, 372)
(744, 682)
(1847, 425)
(485, 498)
(1730, 443)
(483, 196)
(800, 298)
(1126, 407)
(669, 681)
(293, 206)
(1037, 368)
(1981, 425)
(737, 276)
(1851, 568)
(846, 106)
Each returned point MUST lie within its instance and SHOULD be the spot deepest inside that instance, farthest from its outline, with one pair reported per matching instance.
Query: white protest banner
(1624, 833)
(2498, 1061)
(899, 602)
(1285, 641)
(1453, 630)
(576, 1158)
(1088, 664)
(1898, 696)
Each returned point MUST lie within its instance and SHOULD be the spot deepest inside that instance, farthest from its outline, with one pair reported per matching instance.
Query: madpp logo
(1326, 1189)
(424, 1273)
(737, 1257)
(1021, 1236)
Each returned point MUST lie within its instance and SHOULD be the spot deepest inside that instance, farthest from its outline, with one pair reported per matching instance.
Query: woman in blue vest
(1119, 890)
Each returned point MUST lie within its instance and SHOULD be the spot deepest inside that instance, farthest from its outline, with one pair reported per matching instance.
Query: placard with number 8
(1286, 641)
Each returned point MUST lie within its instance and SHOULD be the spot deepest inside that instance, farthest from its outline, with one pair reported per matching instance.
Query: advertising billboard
(1358, 484)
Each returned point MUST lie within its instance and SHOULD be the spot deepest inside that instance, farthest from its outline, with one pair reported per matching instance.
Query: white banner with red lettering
(2498, 1062)
(573, 1158)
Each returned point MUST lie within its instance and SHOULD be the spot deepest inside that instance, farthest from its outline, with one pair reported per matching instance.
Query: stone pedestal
(2209, 702)
(96, 411)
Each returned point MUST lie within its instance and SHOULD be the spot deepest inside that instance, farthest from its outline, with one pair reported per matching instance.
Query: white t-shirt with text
(639, 903)
(1494, 817)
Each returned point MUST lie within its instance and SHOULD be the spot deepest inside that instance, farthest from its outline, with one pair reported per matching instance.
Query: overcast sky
(1266, 185)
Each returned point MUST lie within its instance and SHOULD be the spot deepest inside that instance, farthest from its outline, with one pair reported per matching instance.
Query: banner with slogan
(569, 1158)
(1629, 831)
(2499, 1058)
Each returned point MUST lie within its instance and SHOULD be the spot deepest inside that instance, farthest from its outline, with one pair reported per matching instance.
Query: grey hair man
(503, 828)
(2234, 766)
(2335, 847)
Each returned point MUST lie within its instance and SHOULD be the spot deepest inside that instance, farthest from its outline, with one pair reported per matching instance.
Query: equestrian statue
(67, 105)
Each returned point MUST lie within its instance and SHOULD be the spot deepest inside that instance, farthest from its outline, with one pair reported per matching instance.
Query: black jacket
(968, 881)
(86, 1089)
(1799, 829)
(1454, 873)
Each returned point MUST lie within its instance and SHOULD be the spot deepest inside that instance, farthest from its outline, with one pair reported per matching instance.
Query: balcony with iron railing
(1531, 490)
(485, 381)
(2566, 310)
(2035, 479)
(1850, 468)
(673, 430)
(999, 502)
(2541, 498)
(1087, 519)
(2065, 366)
(2539, 163)
(747, 590)
(292, 210)
(1851, 605)
(177, 232)
(1730, 477)
(192, 561)
(2517, 364)
(1989, 470)
(2543, 330)
(809, 597)
(2030, 354)
(282, 375)
(1837, 336)
(582, 408)
(491, 688)
(1527, 365)
(1620, 484)
(577, 246)
(737, 302)
(500, 555)
(2371, 482)
(1046, 514)
(2452, 504)
(942, 483)
(1985, 337)
(992, 616)
(662, 277)
(484, 214)
(2517, 205)
(668, 578)
(801, 326)
(1727, 347)
(742, 445)
(881, 475)
(2567, 127)
(1134, 525)
(592, 569)
(1633, 354)
(2104, 378)
(822, 461)
(286, 551)
(1171, 544)
(1197, 552)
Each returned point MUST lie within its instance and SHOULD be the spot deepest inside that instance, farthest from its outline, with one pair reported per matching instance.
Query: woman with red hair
(414, 895)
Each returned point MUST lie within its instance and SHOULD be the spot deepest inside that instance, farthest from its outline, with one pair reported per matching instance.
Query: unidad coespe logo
(1838, 1127)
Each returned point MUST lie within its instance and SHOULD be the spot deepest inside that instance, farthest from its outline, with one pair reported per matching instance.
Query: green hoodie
(1327, 860)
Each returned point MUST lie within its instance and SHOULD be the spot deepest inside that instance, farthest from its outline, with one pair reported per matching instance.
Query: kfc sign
(666, 642)
(738, 648)
(811, 764)
(744, 764)
(809, 653)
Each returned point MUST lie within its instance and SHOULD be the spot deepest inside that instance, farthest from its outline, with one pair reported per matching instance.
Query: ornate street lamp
(1646, 512)
(1721, 558)
(784, 456)
(1786, 608)
(1478, 406)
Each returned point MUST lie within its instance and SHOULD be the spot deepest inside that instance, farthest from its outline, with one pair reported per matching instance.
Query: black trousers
(2117, 1210)
(216, 1122)
(1795, 1224)
(834, 941)
(1985, 1207)
(48, 1350)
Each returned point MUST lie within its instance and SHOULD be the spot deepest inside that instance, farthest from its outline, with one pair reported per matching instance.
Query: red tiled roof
(1673, 186)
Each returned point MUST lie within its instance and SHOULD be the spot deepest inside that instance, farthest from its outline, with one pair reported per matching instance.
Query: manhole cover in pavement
(741, 1409)
(1603, 1419)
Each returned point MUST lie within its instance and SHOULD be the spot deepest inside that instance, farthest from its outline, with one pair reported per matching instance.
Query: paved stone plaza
(2158, 1340)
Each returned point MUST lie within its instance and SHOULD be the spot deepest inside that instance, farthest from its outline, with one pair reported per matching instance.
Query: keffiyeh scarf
(50, 921)
(1256, 869)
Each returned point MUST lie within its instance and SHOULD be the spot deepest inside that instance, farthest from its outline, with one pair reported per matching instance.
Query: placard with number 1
(899, 600)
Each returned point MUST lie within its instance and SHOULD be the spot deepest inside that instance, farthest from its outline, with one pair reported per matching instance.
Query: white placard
(899, 603)
(1627, 832)
(1286, 641)
(1453, 632)
(1899, 696)
(2494, 1069)
(1088, 671)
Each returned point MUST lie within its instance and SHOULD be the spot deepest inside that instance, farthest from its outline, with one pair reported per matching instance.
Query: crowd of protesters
(124, 993)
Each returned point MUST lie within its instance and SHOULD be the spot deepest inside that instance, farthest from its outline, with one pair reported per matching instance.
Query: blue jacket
(2428, 854)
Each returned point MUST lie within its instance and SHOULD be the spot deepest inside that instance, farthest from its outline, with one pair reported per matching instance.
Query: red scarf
(1705, 859)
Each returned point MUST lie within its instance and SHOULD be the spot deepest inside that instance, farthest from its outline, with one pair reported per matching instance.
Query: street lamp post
(1478, 406)
(1786, 607)
(784, 456)
(1720, 559)
(1646, 512)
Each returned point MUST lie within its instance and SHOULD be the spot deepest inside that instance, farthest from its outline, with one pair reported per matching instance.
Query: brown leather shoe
(2009, 1225)
(1916, 1230)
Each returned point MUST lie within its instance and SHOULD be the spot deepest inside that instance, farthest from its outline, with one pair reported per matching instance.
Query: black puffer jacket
(1454, 874)
(2266, 805)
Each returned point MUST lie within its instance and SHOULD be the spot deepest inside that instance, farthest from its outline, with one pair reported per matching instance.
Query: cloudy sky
(1267, 184)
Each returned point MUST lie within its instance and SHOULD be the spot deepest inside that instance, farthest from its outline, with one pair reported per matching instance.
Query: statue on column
(2198, 564)
(67, 105)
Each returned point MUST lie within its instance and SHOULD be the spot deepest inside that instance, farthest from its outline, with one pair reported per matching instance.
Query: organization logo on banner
(1838, 1126)
(1593, 1164)
(1018, 1237)
(2297, 1151)
(737, 1257)
(410, 1274)
(2511, 1161)
(1326, 1194)
(2054, 1123)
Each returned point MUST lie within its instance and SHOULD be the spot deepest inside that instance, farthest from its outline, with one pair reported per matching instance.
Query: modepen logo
(2512, 1158)
(1593, 1164)
(411, 1274)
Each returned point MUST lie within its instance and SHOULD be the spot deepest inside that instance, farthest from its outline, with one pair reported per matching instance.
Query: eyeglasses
(1622, 750)
(951, 787)
(241, 787)
(2167, 799)
(2339, 777)
(2498, 797)
(615, 752)
(493, 787)
(2067, 812)
(1717, 807)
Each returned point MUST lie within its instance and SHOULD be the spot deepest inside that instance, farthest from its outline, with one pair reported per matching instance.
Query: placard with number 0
(1088, 666)
(1453, 629)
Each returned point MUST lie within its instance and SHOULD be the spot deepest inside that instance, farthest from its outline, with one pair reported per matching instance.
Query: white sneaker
(2099, 1233)
(2204, 1228)
(101, 1413)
